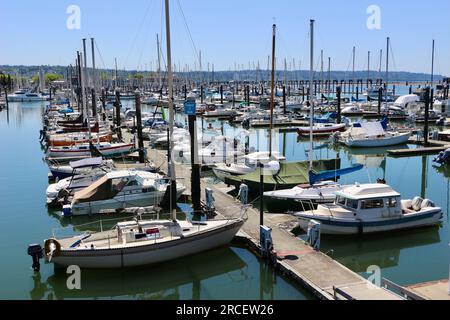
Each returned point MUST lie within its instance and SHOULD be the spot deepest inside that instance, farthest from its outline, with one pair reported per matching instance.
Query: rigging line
(188, 31)
(138, 32)
(393, 57)
(100, 54)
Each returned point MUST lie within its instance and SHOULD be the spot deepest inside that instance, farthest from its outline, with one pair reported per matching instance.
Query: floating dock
(435, 147)
(326, 278)
(435, 290)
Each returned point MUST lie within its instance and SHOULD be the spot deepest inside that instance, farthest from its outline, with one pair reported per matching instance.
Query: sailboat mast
(311, 111)
(353, 72)
(159, 61)
(171, 111)
(94, 87)
(387, 69)
(84, 82)
(272, 94)
(432, 64)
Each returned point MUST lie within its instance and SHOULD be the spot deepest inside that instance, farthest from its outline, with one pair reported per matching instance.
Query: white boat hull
(120, 202)
(149, 254)
(374, 143)
(350, 227)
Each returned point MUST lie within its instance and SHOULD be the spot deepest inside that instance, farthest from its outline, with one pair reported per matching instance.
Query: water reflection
(216, 274)
(358, 253)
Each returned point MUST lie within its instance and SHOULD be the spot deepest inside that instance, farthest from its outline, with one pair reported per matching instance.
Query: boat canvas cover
(99, 190)
(289, 175)
(368, 129)
(89, 162)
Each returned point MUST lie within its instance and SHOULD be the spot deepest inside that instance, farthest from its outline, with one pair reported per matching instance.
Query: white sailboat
(372, 135)
(137, 242)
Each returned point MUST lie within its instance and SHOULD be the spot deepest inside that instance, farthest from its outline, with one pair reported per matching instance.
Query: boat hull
(120, 202)
(69, 142)
(333, 226)
(401, 139)
(106, 152)
(149, 254)
(320, 131)
(283, 205)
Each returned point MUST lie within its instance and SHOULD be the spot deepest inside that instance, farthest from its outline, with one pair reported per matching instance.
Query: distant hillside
(245, 75)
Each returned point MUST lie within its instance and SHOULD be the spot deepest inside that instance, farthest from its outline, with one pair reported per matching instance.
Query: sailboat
(139, 242)
(372, 135)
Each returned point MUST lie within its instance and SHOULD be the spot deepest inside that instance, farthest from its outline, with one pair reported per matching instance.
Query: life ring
(52, 248)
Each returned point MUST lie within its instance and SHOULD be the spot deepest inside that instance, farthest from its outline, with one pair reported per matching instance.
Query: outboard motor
(443, 157)
(35, 251)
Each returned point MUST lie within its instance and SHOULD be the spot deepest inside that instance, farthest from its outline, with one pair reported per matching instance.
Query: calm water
(225, 273)
(228, 273)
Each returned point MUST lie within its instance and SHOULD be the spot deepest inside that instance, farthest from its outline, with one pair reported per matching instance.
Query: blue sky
(228, 32)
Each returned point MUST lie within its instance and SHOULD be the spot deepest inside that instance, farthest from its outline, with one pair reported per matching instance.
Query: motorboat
(119, 190)
(370, 208)
(220, 112)
(302, 197)
(250, 164)
(61, 171)
(220, 150)
(65, 187)
(26, 96)
(352, 110)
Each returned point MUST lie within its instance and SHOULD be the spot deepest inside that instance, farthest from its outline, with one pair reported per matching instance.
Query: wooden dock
(435, 290)
(316, 271)
(435, 147)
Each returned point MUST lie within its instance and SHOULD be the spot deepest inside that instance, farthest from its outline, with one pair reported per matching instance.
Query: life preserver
(49, 249)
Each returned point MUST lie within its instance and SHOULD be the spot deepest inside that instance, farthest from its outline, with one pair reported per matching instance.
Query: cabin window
(352, 204)
(372, 204)
(341, 201)
(392, 202)
(149, 189)
(132, 183)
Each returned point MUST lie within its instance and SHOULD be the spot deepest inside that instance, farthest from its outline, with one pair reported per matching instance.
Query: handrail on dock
(408, 294)
(337, 291)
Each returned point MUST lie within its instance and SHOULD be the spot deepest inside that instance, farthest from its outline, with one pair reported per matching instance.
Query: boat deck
(323, 276)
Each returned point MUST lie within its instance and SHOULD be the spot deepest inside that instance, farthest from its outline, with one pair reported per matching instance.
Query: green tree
(50, 77)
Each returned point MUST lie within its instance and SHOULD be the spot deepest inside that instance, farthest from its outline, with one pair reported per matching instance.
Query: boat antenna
(272, 98)
(173, 186)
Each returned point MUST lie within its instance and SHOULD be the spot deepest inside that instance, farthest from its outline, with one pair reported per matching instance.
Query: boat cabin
(368, 199)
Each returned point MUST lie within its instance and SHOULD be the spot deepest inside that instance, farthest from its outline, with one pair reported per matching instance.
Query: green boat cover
(289, 176)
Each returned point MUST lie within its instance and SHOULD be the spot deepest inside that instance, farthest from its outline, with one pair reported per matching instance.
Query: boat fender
(67, 210)
(416, 203)
(427, 203)
(52, 248)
